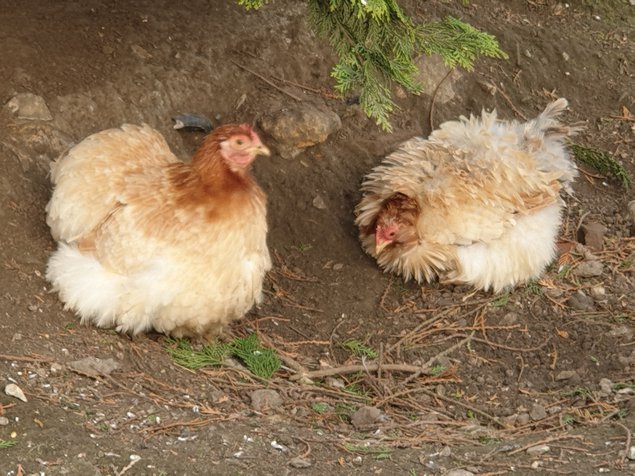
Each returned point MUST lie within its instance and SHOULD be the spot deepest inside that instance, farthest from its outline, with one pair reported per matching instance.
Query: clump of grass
(603, 162)
(501, 300)
(260, 360)
(379, 453)
(359, 349)
(320, 407)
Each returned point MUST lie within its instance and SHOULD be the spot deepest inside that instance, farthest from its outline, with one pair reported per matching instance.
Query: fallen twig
(270, 83)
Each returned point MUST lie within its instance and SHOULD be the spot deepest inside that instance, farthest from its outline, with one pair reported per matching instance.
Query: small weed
(345, 410)
(621, 385)
(595, 360)
(412, 472)
(470, 415)
(501, 300)
(356, 389)
(437, 370)
(153, 419)
(320, 407)
(580, 392)
(359, 349)
(532, 287)
(4, 444)
(304, 247)
(568, 419)
(380, 453)
(488, 440)
(70, 326)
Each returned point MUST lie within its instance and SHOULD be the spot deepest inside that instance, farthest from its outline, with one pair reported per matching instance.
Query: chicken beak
(380, 245)
(260, 149)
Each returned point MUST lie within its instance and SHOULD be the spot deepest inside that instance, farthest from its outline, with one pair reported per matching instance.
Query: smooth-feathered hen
(149, 242)
(478, 202)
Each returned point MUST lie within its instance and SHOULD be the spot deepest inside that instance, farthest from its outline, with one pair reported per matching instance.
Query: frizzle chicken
(146, 241)
(478, 202)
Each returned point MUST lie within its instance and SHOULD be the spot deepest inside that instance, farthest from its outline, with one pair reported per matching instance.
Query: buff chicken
(146, 241)
(476, 203)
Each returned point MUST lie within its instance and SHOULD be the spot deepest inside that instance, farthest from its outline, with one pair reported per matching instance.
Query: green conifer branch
(377, 45)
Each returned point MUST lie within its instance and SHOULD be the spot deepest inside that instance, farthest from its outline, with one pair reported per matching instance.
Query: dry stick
(464, 405)
(622, 459)
(511, 104)
(351, 369)
(19, 358)
(434, 97)
(542, 442)
(270, 83)
(425, 367)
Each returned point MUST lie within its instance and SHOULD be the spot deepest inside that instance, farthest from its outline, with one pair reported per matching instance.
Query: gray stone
(589, 269)
(29, 106)
(300, 463)
(14, 391)
(4, 421)
(594, 235)
(581, 302)
(367, 416)
(298, 127)
(631, 453)
(538, 450)
(318, 202)
(459, 472)
(537, 412)
(631, 212)
(566, 375)
(93, 367)
(265, 399)
(606, 386)
(432, 70)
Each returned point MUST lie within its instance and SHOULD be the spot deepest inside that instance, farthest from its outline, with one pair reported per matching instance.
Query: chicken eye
(391, 234)
(239, 142)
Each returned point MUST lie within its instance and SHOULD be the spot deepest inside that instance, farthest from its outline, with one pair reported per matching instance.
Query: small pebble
(4, 421)
(537, 412)
(589, 269)
(538, 450)
(14, 391)
(300, 463)
(265, 399)
(318, 202)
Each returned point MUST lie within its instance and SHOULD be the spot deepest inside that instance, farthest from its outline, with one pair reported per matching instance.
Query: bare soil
(510, 371)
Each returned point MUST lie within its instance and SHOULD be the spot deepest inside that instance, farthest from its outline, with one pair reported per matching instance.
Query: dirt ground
(551, 363)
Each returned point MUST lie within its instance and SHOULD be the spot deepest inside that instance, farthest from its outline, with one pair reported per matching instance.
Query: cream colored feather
(488, 195)
(130, 255)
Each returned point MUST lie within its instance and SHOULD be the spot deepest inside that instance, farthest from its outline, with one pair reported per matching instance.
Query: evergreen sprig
(261, 361)
(377, 45)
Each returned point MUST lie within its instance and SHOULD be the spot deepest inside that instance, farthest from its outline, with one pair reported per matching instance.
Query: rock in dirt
(318, 202)
(4, 421)
(606, 386)
(29, 106)
(93, 367)
(581, 302)
(367, 416)
(522, 419)
(14, 391)
(538, 450)
(298, 127)
(300, 463)
(631, 453)
(589, 269)
(265, 399)
(459, 472)
(593, 233)
(566, 375)
(434, 72)
(631, 212)
(537, 412)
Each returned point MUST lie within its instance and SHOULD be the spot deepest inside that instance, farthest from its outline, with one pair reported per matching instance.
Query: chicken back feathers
(149, 242)
(478, 202)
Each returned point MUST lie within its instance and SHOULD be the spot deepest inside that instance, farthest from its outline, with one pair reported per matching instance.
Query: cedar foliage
(377, 45)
